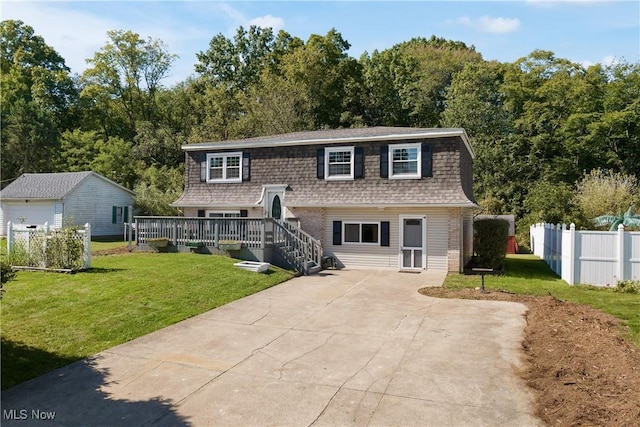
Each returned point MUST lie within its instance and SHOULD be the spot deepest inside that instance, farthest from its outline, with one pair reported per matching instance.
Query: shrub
(65, 249)
(6, 274)
(628, 286)
(491, 242)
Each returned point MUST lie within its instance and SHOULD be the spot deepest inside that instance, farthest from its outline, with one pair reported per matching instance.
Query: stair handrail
(310, 247)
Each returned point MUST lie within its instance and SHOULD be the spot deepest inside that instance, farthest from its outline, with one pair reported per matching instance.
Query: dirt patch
(581, 369)
(112, 251)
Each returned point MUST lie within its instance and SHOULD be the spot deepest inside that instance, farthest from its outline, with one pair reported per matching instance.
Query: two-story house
(375, 197)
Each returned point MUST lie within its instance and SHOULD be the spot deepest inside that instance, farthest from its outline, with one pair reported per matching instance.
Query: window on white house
(223, 214)
(361, 232)
(405, 161)
(224, 167)
(119, 214)
(339, 163)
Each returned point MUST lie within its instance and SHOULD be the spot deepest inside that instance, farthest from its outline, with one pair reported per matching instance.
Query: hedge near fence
(490, 243)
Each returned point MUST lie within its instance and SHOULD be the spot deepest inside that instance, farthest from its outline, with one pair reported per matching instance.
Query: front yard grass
(51, 319)
(527, 274)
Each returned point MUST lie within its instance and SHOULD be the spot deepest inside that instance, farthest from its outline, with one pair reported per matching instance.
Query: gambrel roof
(48, 186)
(292, 159)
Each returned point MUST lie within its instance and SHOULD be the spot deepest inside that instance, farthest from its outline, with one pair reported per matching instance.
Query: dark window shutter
(358, 165)
(244, 213)
(384, 233)
(114, 214)
(200, 213)
(384, 161)
(337, 232)
(246, 166)
(426, 160)
(125, 216)
(320, 163)
(203, 168)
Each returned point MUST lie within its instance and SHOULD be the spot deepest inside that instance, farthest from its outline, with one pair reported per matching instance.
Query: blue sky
(585, 31)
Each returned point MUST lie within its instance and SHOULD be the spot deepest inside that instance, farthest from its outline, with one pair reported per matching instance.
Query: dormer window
(339, 162)
(224, 167)
(405, 161)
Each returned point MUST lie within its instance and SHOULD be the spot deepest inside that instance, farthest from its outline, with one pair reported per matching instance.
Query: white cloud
(237, 18)
(488, 24)
(606, 61)
(268, 21)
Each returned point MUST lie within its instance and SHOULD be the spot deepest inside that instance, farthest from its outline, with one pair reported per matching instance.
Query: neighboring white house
(80, 197)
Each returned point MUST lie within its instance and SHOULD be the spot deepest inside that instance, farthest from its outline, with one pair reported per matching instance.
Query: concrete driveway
(350, 347)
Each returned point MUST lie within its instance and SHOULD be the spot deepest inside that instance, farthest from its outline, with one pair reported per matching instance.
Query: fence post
(9, 237)
(558, 248)
(87, 245)
(572, 254)
(216, 234)
(174, 232)
(621, 254)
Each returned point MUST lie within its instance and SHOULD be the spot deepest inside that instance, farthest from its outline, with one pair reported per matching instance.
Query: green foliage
(7, 274)
(603, 192)
(627, 219)
(36, 93)
(57, 249)
(159, 188)
(124, 78)
(65, 249)
(491, 242)
(628, 286)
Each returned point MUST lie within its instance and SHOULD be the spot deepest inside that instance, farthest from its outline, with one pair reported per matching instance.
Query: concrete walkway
(341, 348)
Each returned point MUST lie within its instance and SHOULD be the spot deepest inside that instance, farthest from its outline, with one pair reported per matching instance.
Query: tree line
(540, 126)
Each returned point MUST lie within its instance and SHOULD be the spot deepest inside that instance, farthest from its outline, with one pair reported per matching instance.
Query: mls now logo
(23, 414)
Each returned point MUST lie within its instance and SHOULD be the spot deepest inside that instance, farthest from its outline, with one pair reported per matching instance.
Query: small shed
(80, 197)
(512, 244)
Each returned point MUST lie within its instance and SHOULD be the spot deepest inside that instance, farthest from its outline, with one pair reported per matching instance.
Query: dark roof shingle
(43, 185)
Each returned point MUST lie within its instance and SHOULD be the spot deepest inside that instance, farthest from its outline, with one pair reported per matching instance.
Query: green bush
(491, 242)
(65, 249)
(6, 273)
(628, 286)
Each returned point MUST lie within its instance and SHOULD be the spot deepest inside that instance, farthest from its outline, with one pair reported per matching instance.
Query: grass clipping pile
(581, 369)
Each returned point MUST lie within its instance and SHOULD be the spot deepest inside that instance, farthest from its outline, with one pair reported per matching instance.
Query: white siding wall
(387, 256)
(34, 212)
(93, 201)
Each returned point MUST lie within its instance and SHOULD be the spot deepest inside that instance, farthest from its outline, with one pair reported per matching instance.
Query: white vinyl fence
(41, 246)
(600, 258)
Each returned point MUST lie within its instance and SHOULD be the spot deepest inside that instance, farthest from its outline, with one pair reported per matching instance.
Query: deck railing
(210, 231)
(299, 248)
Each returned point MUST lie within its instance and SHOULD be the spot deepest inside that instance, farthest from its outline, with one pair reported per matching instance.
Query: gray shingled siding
(466, 173)
(296, 166)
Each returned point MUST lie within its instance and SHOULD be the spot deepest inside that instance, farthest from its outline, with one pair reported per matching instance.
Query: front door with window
(413, 243)
(274, 201)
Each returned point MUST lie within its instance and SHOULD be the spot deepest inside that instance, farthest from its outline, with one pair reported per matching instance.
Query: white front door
(413, 242)
(274, 201)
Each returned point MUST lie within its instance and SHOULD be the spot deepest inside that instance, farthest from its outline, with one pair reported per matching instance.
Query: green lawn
(527, 274)
(52, 319)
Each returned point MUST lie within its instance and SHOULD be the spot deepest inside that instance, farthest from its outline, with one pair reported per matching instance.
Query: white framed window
(405, 161)
(224, 167)
(339, 163)
(223, 214)
(361, 233)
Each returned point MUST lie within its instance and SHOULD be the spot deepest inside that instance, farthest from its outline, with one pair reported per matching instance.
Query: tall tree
(123, 81)
(36, 93)
(412, 78)
(331, 79)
